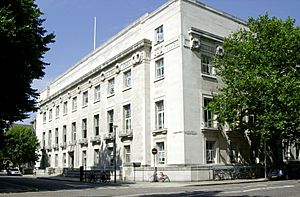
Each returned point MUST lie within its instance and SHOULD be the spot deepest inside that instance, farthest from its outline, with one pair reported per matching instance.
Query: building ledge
(159, 132)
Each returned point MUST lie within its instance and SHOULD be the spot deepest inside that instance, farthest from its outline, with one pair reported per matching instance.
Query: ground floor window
(210, 151)
(161, 152)
(84, 157)
(64, 160)
(127, 153)
(56, 160)
(96, 157)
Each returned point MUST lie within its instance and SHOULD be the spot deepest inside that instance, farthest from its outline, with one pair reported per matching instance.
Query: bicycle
(161, 177)
(92, 177)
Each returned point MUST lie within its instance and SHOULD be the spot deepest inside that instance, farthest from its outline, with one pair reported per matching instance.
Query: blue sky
(72, 22)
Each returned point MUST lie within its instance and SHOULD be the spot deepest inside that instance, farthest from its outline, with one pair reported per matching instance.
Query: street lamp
(114, 153)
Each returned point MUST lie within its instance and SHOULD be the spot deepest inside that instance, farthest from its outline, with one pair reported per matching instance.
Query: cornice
(144, 43)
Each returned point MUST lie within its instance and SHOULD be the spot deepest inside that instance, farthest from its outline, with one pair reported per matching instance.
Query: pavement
(145, 184)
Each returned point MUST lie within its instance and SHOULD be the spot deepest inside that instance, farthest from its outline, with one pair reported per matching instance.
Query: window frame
(97, 93)
(210, 152)
(127, 118)
(127, 153)
(74, 103)
(159, 34)
(96, 125)
(65, 108)
(159, 115)
(160, 68)
(161, 153)
(84, 128)
(127, 79)
(111, 86)
(110, 120)
(85, 98)
(208, 116)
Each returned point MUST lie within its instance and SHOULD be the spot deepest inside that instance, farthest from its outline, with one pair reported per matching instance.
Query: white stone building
(152, 81)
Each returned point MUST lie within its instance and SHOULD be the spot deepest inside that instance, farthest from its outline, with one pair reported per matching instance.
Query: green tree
(21, 145)
(261, 91)
(23, 42)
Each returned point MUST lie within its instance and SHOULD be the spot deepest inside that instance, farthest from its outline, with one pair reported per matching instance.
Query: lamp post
(114, 153)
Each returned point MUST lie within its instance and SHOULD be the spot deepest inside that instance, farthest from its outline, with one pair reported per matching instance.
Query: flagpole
(95, 31)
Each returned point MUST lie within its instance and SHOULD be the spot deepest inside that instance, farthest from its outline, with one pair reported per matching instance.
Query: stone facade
(145, 87)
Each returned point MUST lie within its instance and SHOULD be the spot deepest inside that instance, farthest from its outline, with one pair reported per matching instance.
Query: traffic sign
(154, 151)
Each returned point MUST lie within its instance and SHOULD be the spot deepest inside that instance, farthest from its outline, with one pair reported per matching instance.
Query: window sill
(159, 132)
(84, 106)
(74, 110)
(111, 95)
(97, 101)
(214, 77)
(125, 89)
(158, 42)
(159, 79)
(65, 114)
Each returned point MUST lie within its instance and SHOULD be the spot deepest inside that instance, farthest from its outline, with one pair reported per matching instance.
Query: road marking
(257, 189)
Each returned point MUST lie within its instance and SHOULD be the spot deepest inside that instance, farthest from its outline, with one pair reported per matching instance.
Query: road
(32, 187)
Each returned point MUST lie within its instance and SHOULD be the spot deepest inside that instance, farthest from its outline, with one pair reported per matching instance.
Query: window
(96, 125)
(56, 160)
(85, 98)
(159, 68)
(84, 157)
(127, 79)
(44, 118)
(43, 140)
(49, 159)
(111, 86)
(65, 133)
(127, 153)
(127, 118)
(161, 152)
(210, 152)
(206, 67)
(50, 115)
(96, 157)
(207, 115)
(159, 34)
(57, 111)
(65, 108)
(74, 103)
(73, 136)
(56, 136)
(97, 93)
(110, 120)
(84, 128)
(159, 115)
(49, 138)
(64, 161)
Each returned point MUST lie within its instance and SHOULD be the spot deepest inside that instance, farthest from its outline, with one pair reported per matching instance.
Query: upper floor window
(57, 111)
(207, 115)
(206, 66)
(56, 136)
(85, 98)
(73, 134)
(159, 34)
(50, 114)
(84, 128)
(65, 108)
(111, 86)
(127, 118)
(74, 103)
(44, 118)
(159, 68)
(159, 115)
(65, 133)
(127, 79)
(110, 120)
(97, 93)
(96, 124)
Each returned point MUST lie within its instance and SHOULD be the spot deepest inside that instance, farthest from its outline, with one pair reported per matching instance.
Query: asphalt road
(32, 187)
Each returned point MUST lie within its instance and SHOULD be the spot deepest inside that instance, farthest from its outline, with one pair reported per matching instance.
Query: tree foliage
(23, 42)
(261, 91)
(21, 145)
